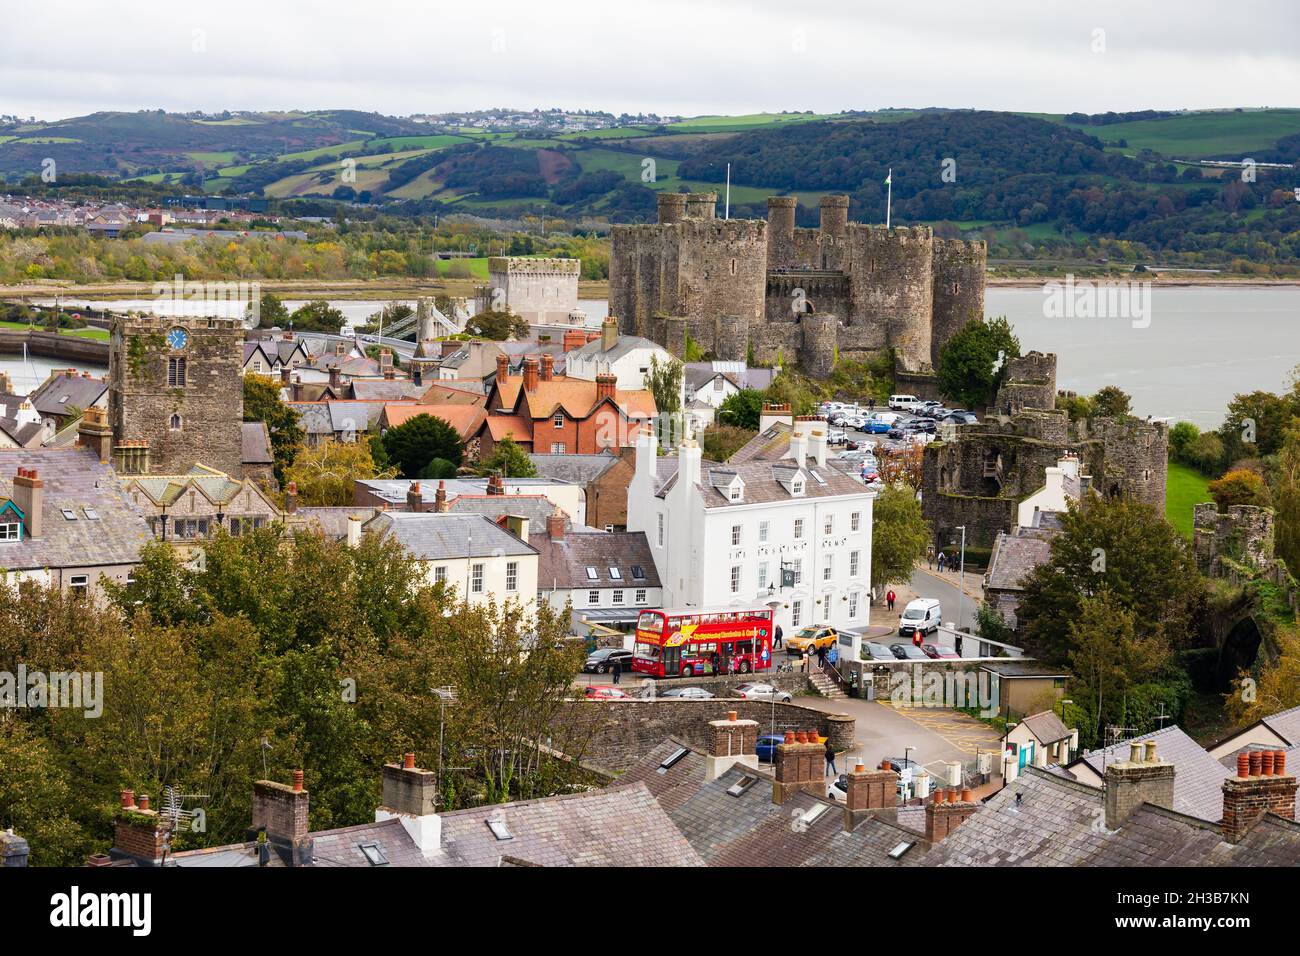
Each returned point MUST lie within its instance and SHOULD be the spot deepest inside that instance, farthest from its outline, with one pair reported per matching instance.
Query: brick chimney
(390, 374)
(138, 832)
(285, 375)
(799, 763)
(869, 790)
(14, 850)
(530, 375)
(555, 524)
(385, 358)
(574, 339)
(7, 385)
(96, 433)
(440, 498)
(731, 741)
(335, 379)
(548, 367)
(291, 497)
(608, 334)
(496, 485)
(503, 366)
(340, 348)
(1143, 778)
(414, 498)
(946, 811)
(606, 386)
(295, 390)
(1261, 786)
(29, 496)
(411, 796)
(281, 810)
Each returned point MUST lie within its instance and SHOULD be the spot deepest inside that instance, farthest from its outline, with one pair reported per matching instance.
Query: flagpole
(726, 214)
(889, 201)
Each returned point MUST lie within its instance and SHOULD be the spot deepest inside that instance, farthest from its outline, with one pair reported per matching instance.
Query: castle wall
(893, 286)
(542, 291)
(780, 231)
(958, 290)
(1136, 459)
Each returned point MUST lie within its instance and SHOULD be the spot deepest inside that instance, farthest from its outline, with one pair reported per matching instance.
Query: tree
(720, 442)
(664, 382)
(271, 312)
(317, 316)
(972, 363)
(899, 536)
(325, 475)
(498, 326)
(509, 460)
(1111, 401)
(904, 467)
(1286, 499)
(1181, 437)
(1255, 423)
(1240, 486)
(412, 445)
(743, 409)
(262, 403)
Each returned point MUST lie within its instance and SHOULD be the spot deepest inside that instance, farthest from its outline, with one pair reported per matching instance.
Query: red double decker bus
(693, 642)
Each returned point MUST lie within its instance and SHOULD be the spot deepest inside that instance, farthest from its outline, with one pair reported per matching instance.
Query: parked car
(960, 418)
(810, 638)
(902, 403)
(877, 652)
(908, 652)
(687, 693)
(875, 426)
(601, 660)
(921, 615)
(835, 436)
(761, 692)
(938, 653)
(600, 692)
(766, 747)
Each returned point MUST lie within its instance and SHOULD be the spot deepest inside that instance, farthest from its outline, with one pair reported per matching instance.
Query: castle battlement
(520, 265)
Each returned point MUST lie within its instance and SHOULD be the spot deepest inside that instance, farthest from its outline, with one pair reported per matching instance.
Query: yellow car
(810, 638)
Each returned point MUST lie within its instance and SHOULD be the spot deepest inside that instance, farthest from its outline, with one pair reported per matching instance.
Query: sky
(71, 57)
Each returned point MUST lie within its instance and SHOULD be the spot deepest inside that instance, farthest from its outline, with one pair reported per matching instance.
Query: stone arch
(1239, 650)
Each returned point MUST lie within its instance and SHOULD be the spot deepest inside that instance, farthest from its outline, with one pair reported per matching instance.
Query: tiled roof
(1286, 724)
(75, 480)
(255, 444)
(625, 345)
(535, 508)
(563, 562)
(465, 419)
(386, 389)
(1198, 777)
(771, 444)
(1014, 556)
(770, 481)
(62, 391)
(433, 537)
(577, 397)
(579, 469)
(517, 427)
(1046, 727)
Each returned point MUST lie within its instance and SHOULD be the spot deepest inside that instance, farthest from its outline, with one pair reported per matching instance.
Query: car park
(761, 692)
(875, 426)
(602, 659)
(687, 693)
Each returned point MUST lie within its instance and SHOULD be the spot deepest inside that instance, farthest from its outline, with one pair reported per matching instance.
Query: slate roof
(1014, 556)
(617, 826)
(330, 848)
(769, 481)
(625, 345)
(330, 521)
(1056, 823)
(536, 508)
(1286, 724)
(1046, 727)
(75, 480)
(579, 469)
(394, 489)
(772, 443)
(562, 562)
(386, 389)
(255, 444)
(62, 391)
(433, 537)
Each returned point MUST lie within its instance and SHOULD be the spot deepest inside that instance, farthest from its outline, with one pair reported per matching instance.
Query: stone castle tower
(176, 394)
(749, 287)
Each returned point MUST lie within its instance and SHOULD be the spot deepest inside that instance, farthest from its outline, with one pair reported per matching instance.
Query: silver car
(761, 692)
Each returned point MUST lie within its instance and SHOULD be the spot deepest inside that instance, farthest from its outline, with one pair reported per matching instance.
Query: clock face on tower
(177, 339)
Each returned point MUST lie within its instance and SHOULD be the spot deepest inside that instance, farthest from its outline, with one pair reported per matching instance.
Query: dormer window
(11, 530)
(797, 485)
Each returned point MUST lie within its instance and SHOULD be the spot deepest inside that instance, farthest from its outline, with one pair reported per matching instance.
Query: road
(929, 584)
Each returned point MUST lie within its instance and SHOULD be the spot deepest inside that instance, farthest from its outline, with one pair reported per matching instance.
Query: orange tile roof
(513, 426)
(466, 419)
(576, 396)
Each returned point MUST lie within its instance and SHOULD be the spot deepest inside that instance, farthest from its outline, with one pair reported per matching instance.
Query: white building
(721, 535)
(1062, 484)
(626, 357)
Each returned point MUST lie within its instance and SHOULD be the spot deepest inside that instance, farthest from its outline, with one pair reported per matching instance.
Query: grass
(478, 267)
(1210, 134)
(1184, 489)
(86, 333)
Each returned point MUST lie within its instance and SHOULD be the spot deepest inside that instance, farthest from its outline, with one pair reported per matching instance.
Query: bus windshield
(650, 621)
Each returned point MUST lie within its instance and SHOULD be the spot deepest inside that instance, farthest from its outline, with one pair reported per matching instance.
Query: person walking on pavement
(821, 656)
(941, 560)
(929, 555)
(803, 663)
(830, 759)
(616, 670)
(777, 642)
(890, 598)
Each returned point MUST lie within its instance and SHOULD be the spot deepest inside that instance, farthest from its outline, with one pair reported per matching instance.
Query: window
(257, 366)
(797, 566)
(855, 521)
(512, 575)
(175, 422)
(79, 584)
(609, 529)
(735, 579)
(762, 531)
(796, 486)
(476, 579)
(373, 853)
(735, 493)
(762, 575)
(592, 575)
(661, 529)
(176, 373)
(828, 570)
(440, 574)
(615, 574)
(557, 448)
(796, 613)
(640, 596)
(735, 535)
(798, 529)
(618, 595)
(638, 573)
(593, 598)
(11, 531)
(853, 605)
(828, 526)
(717, 384)
(90, 513)
(853, 563)
(559, 420)
(68, 514)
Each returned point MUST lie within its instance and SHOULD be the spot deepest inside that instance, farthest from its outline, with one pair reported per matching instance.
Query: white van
(902, 403)
(919, 615)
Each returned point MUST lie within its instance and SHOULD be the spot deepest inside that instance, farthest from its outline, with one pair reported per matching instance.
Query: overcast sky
(69, 57)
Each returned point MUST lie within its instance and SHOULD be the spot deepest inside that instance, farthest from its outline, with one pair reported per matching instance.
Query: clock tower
(176, 394)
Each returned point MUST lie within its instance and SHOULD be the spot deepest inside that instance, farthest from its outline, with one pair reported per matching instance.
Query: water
(1203, 344)
(26, 375)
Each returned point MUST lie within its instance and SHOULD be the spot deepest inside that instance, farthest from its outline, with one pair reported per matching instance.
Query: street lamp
(1063, 703)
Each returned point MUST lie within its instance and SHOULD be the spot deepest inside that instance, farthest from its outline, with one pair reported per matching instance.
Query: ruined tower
(959, 270)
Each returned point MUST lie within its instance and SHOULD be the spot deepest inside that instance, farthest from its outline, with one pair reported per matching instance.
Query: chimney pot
(965, 796)
(1256, 763)
(859, 768)
(1150, 748)
(128, 799)
(144, 801)
(408, 761)
(940, 796)
(789, 736)
(1266, 763)
(1279, 763)
(731, 715)
(1135, 753)
(1243, 764)
(297, 781)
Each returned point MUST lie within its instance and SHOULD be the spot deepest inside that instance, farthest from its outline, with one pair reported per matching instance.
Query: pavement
(944, 587)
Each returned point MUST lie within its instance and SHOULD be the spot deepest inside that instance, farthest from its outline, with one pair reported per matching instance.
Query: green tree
(498, 326)
(743, 409)
(664, 381)
(1286, 500)
(325, 475)
(508, 459)
(1240, 486)
(412, 445)
(1254, 424)
(1181, 437)
(899, 536)
(972, 363)
(1111, 401)
(262, 403)
(720, 442)
(271, 312)
(317, 316)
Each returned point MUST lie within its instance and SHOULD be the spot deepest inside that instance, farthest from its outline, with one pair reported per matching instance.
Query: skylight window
(820, 479)
(500, 830)
(638, 572)
(69, 514)
(374, 853)
(90, 513)
(616, 574)
(897, 852)
(814, 813)
(592, 575)
(741, 785)
(672, 759)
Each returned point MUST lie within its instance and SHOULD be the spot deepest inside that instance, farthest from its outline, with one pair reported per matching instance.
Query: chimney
(496, 485)
(731, 742)
(7, 385)
(1261, 786)
(281, 811)
(385, 358)
(799, 448)
(295, 390)
(14, 850)
(688, 462)
(291, 497)
(869, 790)
(29, 496)
(772, 414)
(138, 833)
(817, 445)
(606, 386)
(548, 367)
(335, 380)
(95, 433)
(1143, 778)
(440, 498)
(555, 524)
(354, 531)
(530, 374)
(390, 373)
(608, 334)
(799, 763)
(946, 811)
(340, 348)
(411, 796)
(503, 366)
(285, 373)
(414, 498)
(574, 339)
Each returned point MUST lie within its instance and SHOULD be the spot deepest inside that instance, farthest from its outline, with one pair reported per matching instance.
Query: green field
(212, 158)
(87, 333)
(1184, 489)
(478, 267)
(1221, 135)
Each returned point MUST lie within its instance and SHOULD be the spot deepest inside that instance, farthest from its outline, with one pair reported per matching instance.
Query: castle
(542, 291)
(976, 476)
(770, 292)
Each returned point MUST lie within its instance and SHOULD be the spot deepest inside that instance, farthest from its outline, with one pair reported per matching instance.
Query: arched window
(175, 423)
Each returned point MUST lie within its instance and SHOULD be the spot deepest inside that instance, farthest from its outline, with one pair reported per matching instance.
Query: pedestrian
(929, 555)
(830, 759)
(821, 656)
(941, 560)
(889, 599)
(803, 662)
(777, 643)
(833, 655)
(616, 670)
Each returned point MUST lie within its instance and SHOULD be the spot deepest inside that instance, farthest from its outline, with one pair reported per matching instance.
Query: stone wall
(56, 345)
(958, 296)
(1244, 535)
(543, 291)
(893, 286)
